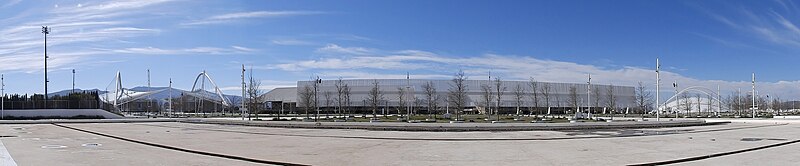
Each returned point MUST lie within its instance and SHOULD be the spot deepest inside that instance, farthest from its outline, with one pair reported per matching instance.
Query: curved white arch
(697, 89)
(224, 100)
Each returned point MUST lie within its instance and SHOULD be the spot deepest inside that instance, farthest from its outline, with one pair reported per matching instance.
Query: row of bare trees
(539, 95)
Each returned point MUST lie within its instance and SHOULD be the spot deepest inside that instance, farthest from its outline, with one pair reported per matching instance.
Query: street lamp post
(589, 96)
(675, 84)
(754, 95)
(316, 100)
(45, 31)
(658, 83)
(3, 97)
(73, 80)
(244, 107)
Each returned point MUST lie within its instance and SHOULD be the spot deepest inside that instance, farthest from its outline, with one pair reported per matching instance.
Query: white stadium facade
(558, 100)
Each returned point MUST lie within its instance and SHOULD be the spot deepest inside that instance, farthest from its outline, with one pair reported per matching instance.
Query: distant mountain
(68, 91)
(160, 96)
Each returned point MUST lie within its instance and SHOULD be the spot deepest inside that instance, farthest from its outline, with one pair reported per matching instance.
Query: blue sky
(700, 43)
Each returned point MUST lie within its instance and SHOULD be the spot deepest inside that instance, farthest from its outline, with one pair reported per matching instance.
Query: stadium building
(557, 100)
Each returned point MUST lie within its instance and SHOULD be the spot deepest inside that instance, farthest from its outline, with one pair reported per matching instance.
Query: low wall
(66, 113)
(457, 127)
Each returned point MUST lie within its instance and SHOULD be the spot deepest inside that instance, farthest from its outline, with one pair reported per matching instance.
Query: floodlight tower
(243, 93)
(316, 100)
(73, 80)
(675, 84)
(170, 96)
(3, 97)
(719, 103)
(45, 31)
(589, 96)
(658, 83)
(754, 95)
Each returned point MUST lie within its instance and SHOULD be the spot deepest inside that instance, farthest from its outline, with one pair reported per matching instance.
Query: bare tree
(339, 95)
(328, 102)
(573, 98)
(534, 95)
(596, 93)
(709, 105)
(546, 93)
(306, 99)
(487, 94)
(686, 103)
(458, 92)
(253, 93)
(737, 102)
(498, 85)
(374, 98)
(698, 97)
(519, 94)
(431, 97)
(401, 97)
(776, 105)
(642, 98)
(346, 92)
(611, 100)
(315, 92)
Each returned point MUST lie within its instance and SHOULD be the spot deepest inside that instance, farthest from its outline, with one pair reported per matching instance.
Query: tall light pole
(170, 96)
(45, 31)
(719, 102)
(589, 96)
(73, 80)
(3, 97)
(675, 84)
(243, 93)
(149, 89)
(408, 90)
(316, 100)
(754, 95)
(658, 83)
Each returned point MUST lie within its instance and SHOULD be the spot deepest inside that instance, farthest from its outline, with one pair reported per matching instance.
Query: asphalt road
(172, 143)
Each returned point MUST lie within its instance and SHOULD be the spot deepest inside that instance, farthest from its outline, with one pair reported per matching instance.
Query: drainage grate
(53, 147)
(761, 139)
(92, 145)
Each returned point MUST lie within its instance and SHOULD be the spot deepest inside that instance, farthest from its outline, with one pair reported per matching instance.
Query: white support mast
(3, 97)
(719, 103)
(170, 96)
(243, 93)
(658, 86)
(589, 96)
(754, 95)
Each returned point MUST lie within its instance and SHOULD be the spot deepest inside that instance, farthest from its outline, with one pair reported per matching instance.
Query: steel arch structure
(199, 92)
(700, 89)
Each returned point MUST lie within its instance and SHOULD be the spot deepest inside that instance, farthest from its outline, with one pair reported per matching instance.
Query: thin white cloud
(185, 51)
(336, 49)
(291, 42)
(770, 25)
(511, 67)
(84, 24)
(10, 3)
(230, 17)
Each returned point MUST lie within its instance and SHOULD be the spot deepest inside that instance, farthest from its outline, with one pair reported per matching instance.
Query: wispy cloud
(185, 51)
(70, 25)
(291, 42)
(231, 17)
(336, 49)
(509, 67)
(10, 3)
(767, 25)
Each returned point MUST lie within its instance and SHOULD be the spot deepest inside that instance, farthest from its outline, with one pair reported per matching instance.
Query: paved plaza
(176, 143)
